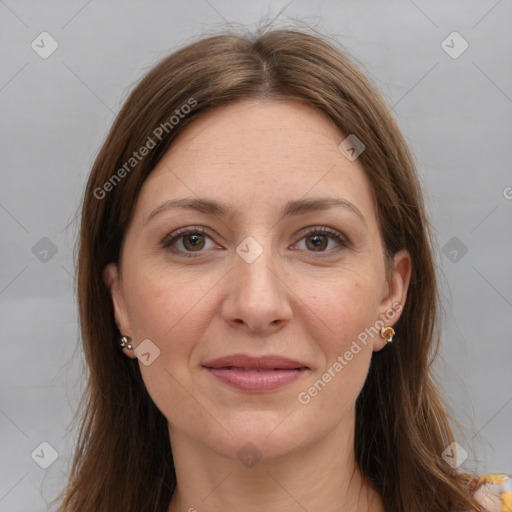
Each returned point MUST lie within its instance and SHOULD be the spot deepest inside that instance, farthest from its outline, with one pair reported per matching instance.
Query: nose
(257, 299)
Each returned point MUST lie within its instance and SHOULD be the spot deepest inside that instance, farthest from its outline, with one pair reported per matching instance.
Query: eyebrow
(296, 207)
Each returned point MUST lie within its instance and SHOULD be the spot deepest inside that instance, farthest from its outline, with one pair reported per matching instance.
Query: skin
(298, 299)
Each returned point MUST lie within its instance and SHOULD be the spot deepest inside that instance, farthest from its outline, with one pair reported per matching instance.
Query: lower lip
(257, 380)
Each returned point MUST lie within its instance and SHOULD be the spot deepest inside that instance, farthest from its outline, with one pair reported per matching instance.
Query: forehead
(258, 150)
(287, 130)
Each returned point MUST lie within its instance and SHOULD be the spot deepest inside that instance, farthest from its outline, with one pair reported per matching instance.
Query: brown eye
(193, 242)
(323, 240)
(317, 242)
(188, 241)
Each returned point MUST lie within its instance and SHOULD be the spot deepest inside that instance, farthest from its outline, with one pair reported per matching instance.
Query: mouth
(255, 374)
(246, 362)
(245, 369)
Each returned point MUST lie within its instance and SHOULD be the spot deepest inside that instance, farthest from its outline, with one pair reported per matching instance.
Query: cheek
(338, 321)
(166, 308)
(344, 306)
(338, 315)
(173, 314)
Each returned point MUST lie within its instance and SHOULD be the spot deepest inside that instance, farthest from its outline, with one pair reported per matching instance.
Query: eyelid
(322, 229)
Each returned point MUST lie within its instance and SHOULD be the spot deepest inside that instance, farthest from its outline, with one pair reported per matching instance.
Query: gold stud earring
(387, 333)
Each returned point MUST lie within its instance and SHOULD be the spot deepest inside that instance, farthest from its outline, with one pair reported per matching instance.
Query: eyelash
(171, 238)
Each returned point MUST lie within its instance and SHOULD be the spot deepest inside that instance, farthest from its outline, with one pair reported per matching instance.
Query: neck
(322, 476)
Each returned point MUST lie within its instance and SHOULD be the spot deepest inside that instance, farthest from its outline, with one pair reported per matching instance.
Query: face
(255, 236)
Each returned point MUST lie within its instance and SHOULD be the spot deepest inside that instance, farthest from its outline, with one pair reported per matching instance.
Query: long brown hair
(123, 459)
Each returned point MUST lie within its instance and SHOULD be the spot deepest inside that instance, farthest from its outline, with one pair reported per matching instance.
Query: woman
(253, 235)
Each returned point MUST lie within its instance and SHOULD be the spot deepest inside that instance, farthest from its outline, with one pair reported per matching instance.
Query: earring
(387, 333)
(125, 342)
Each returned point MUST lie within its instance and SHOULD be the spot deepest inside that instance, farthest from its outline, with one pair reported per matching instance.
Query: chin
(268, 434)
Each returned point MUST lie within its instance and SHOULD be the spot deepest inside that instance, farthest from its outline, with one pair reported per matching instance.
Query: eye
(195, 239)
(191, 239)
(322, 239)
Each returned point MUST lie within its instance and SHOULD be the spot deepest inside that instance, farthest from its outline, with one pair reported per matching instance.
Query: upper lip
(258, 362)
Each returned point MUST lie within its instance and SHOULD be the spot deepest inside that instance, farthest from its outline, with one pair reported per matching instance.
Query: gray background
(456, 113)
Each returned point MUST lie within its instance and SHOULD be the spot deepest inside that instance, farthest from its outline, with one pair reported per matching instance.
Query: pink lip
(256, 374)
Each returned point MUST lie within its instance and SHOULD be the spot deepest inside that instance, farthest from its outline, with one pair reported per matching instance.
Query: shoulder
(493, 492)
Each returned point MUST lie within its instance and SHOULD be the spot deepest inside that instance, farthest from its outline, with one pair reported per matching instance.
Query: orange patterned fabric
(493, 492)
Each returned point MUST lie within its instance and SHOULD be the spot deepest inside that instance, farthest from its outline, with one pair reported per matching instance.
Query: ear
(395, 294)
(112, 279)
